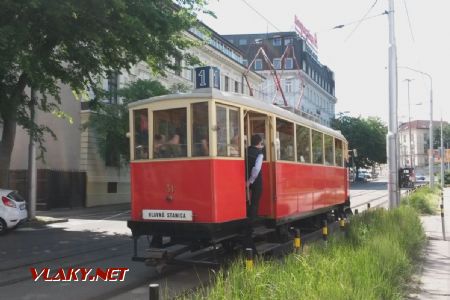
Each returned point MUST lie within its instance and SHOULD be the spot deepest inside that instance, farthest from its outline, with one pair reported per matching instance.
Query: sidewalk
(59, 215)
(435, 277)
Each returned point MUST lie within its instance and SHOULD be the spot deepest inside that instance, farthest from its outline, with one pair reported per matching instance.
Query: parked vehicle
(420, 177)
(13, 210)
(363, 175)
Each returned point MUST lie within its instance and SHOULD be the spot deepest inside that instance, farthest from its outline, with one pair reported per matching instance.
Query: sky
(358, 52)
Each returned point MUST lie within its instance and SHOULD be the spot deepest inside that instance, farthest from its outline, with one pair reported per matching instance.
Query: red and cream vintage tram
(188, 166)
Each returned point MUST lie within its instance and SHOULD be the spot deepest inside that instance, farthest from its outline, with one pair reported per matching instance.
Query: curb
(42, 221)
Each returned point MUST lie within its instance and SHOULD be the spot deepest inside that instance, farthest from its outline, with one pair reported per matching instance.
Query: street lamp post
(411, 163)
(430, 154)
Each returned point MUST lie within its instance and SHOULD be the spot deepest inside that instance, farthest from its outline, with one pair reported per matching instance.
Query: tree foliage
(437, 136)
(111, 121)
(368, 136)
(46, 43)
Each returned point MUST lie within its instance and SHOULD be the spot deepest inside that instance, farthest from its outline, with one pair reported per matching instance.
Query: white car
(13, 210)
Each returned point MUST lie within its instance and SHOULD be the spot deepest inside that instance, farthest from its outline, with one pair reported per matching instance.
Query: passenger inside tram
(173, 145)
(234, 145)
(159, 148)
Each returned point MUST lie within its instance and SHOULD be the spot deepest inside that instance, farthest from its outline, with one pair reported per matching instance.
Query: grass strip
(374, 260)
(425, 200)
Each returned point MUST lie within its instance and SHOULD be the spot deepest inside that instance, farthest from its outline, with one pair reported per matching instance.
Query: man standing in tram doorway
(254, 177)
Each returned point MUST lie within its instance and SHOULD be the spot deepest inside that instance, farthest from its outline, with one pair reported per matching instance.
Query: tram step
(168, 252)
(261, 230)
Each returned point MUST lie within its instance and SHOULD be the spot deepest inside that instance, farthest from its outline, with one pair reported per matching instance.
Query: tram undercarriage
(195, 243)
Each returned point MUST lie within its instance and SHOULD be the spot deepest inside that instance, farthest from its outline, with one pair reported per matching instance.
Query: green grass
(374, 261)
(424, 200)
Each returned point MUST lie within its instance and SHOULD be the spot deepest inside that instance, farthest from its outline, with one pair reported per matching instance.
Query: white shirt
(256, 169)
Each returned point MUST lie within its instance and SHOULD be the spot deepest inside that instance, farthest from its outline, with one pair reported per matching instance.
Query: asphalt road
(100, 239)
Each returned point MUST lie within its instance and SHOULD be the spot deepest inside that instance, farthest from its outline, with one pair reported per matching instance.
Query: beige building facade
(414, 143)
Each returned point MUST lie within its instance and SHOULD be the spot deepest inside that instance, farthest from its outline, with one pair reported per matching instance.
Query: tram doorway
(261, 124)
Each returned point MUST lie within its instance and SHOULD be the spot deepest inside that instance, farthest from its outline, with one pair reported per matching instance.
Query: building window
(288, 41)
(245, 62)
(258, 41)
(277, 63)
(236, 87)
(276, 41)
(285, 140)
(200, 129)
(288, 86)
(169, 127)
(227, 83)
(303, 144)
(288, 63)
(242, 42)
(258, 64)
(178, 67)
(112, 188)
(113, 85)
(304, 65)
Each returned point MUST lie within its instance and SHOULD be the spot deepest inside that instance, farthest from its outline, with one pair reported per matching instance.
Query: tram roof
(241, 100)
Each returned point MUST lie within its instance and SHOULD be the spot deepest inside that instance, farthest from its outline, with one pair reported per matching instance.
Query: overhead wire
(409, 21)
(362, 19)
(261, 15)
(424, 80)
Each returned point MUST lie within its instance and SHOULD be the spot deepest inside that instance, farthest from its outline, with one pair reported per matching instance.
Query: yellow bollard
(342, 224)
(325, 230)
(249, 258)
(297, 241)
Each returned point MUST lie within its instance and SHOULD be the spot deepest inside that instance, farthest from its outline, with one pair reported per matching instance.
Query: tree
(368, 136)
(111, 121)
(46, 43)
(437, 135)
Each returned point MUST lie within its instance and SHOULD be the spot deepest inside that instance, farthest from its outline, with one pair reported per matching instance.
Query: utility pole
(442, 156)
(32, 159)
(392, 143)
(411, 163)
(430, 151)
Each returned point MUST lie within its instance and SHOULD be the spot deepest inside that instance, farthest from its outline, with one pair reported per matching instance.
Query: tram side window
(338, 153)
(285, 140)
(303, 144)
(329, 155)
(169, 128)
(234, 133)
(200, 129)
(221, 115)
(228, 131)
(317, 147)
(140, 117)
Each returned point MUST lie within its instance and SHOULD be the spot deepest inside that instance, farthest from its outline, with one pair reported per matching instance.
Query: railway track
(20, 272)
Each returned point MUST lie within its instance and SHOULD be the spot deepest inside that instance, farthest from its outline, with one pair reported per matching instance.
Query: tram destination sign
(167, 215)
